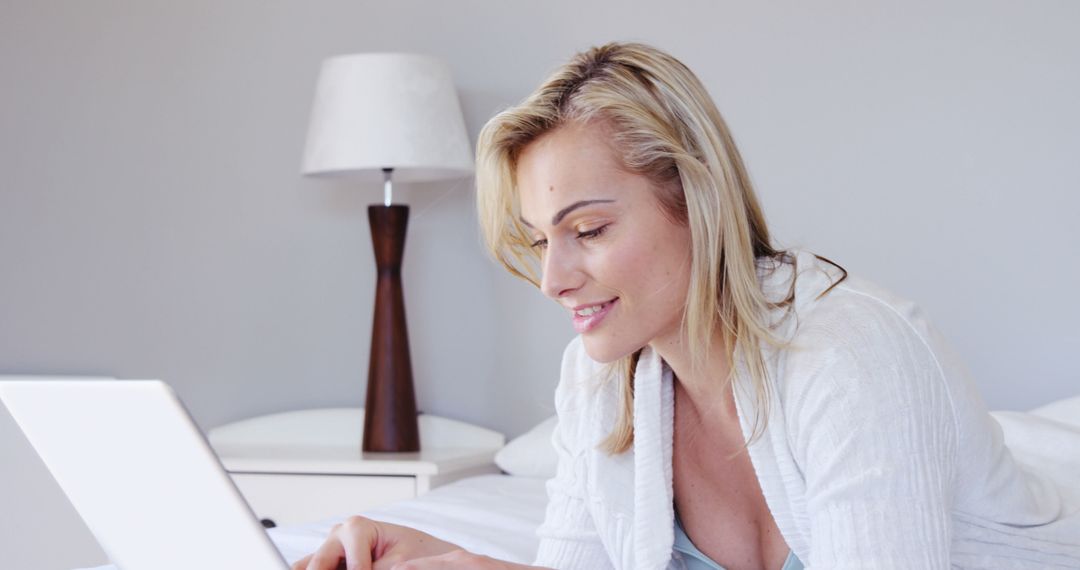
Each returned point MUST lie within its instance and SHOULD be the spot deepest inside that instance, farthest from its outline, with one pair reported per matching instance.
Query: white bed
(497, 515)
(494, 515)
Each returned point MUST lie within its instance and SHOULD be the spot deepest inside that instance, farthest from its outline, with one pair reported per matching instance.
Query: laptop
(141, 474)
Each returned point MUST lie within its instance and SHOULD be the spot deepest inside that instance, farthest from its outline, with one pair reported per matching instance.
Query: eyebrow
(558, 217)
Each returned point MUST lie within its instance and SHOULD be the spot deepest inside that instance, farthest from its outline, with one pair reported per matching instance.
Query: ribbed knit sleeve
(874, 431)
(568, 536)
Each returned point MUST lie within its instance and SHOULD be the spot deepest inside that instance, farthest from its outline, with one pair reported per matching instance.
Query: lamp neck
(388, 186)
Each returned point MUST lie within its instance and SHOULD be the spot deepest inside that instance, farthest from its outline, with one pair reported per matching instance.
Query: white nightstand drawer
(292, 499)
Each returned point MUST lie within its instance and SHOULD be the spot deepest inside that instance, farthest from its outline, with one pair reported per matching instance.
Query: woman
(727, 404)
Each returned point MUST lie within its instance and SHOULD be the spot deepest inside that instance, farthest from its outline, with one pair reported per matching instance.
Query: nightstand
(306, 465)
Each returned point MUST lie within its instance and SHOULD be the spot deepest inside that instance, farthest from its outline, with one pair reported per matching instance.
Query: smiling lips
(588, 317)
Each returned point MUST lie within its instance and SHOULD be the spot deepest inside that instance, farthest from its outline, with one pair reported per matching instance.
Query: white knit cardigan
(879, 452)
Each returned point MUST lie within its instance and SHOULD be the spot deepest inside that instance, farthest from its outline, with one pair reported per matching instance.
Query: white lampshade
(387, 110)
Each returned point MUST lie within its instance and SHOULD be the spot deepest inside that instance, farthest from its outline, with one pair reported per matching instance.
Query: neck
(704, 388)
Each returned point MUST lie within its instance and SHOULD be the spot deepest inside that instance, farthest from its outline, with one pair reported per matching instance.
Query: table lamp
(378, 116)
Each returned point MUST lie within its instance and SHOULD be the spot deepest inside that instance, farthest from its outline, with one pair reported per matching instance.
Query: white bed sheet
(493, 515)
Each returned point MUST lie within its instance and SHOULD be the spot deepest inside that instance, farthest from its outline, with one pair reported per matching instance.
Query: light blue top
(698, 560)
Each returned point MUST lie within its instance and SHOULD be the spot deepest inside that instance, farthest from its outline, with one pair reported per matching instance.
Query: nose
(561, 272)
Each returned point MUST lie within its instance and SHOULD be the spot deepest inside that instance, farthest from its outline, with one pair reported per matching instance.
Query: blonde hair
(667, 128)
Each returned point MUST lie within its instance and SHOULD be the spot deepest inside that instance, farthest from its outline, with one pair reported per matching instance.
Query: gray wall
(153, 223)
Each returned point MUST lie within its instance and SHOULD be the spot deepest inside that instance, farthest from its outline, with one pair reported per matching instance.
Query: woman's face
(609, 254)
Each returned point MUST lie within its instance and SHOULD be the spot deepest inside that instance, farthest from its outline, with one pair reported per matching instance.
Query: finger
(327, 556)
(301, 564)
(358, 536)
(304, 562)
(387, 562)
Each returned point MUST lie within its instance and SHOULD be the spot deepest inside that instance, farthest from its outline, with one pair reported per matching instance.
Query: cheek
(665, 278)
(625, 267)
(643, 271)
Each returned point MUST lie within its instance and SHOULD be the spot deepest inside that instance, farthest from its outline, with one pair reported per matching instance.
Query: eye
(592, 233)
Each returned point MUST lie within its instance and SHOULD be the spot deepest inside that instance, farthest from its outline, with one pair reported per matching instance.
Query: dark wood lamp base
(390, 422)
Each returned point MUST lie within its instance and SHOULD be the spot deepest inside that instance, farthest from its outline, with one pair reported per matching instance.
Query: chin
(606, 352)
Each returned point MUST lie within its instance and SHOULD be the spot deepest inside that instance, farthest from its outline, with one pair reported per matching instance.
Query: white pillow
(530, 454)
(1066, 411)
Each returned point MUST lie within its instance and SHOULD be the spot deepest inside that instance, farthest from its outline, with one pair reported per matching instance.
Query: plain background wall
(153, 222)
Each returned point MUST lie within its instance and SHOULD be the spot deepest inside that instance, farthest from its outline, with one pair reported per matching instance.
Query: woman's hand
(457, 560)
(364, 544)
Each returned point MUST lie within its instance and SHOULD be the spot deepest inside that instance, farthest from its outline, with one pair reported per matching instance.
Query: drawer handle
(268, 523)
